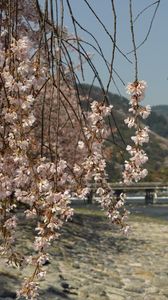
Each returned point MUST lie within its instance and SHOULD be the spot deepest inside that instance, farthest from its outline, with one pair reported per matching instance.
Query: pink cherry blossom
(133, 168)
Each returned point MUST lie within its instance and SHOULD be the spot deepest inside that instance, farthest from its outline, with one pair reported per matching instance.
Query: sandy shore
(94, 261)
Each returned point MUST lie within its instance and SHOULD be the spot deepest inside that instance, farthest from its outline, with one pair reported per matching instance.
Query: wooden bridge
(150, 188)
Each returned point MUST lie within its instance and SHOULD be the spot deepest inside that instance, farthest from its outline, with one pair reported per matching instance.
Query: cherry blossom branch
(133, 168)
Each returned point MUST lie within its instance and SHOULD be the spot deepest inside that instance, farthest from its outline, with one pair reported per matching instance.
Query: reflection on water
(141, 199)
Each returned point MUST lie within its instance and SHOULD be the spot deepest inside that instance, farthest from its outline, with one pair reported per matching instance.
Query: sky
(152, 56)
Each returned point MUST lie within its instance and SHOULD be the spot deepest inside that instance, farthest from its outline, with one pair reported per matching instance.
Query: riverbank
(94, 261)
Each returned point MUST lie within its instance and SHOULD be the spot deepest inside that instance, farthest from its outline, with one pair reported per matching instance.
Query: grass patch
(89, 210)
(146, 219)
(96, 211)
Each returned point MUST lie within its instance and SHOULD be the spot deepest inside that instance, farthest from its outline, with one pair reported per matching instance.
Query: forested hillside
(157, 149)
(161, 110)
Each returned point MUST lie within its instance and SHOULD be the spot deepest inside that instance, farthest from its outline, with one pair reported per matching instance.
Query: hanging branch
(157, 3)
(133, 40)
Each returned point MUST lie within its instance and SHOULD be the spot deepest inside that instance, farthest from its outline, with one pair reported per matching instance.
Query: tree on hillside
(51, 148)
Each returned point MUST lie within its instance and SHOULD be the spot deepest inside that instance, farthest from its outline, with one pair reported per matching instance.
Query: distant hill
(157, 149)
(161, 110)
(158, 120)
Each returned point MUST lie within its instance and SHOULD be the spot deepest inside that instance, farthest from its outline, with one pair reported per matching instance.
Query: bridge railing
(149, 188)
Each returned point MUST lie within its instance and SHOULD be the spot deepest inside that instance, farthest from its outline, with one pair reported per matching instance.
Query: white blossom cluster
(45, 184)
(133, 168)
(93, 168)
(24, 176)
